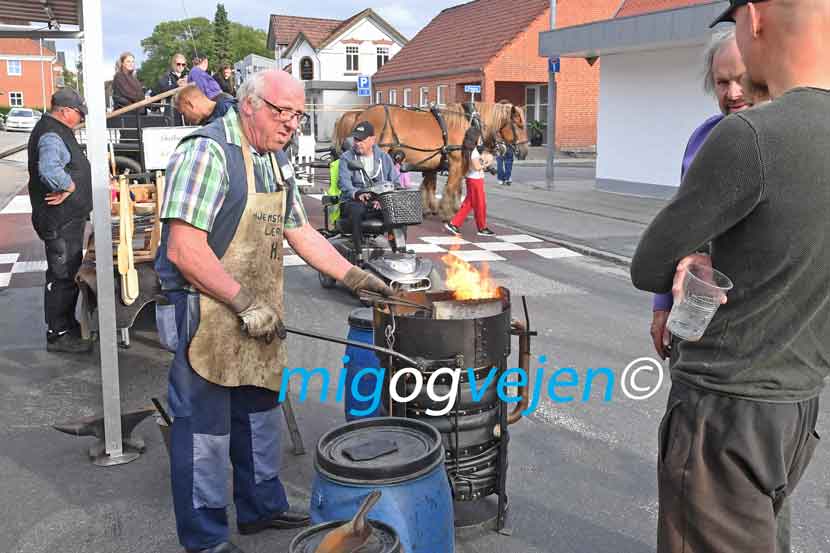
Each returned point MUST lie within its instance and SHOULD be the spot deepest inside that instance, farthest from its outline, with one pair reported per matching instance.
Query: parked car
(22, 119)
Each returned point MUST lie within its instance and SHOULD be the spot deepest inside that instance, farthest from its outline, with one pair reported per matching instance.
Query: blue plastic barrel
(404, 459)
(361, 330)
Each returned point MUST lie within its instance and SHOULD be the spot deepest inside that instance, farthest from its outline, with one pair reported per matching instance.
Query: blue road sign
(364, 86)
(472, 88)
(554, 65)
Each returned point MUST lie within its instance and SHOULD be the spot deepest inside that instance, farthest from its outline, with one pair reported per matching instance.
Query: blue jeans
(505, 165)
(214, 428)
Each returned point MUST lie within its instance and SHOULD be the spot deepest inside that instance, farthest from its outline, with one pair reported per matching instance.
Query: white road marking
(318, 197)
(477, 255)
(4, 279)
(518, 238)
(425, 248)
(18, 205)
(293, 261)
(555, 253)
(444, 240)
(29, 267)
(8, 258)
(499, 246)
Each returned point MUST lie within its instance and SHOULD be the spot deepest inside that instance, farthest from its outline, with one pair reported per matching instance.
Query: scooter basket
(402, 207)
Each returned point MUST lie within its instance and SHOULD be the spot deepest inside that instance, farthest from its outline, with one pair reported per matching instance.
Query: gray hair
(717, 42)
(252, 88)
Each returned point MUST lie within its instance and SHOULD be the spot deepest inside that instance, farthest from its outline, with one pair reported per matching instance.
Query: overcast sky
(126, 23)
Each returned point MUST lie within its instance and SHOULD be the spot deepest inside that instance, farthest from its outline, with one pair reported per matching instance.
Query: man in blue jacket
(357, 202)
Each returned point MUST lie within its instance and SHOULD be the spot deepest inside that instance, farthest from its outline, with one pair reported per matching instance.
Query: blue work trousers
(216, 427)
(504, 165)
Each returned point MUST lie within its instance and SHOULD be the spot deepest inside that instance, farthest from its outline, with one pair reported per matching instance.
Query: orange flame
(468, 283)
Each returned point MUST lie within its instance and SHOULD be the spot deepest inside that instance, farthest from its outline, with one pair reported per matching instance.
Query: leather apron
(220, 351)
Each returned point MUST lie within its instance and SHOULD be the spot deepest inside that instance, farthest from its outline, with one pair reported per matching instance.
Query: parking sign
(364, 86)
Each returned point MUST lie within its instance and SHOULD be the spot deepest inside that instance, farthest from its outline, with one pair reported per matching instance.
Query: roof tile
(641, 7)
(464, 36)
(22, 46)
(317, 30)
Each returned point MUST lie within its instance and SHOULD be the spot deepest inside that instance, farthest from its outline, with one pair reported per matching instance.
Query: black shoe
(67, 343)
(226, 547)
(508, 182)
(283, 521)
(452, 228)
(486, 232)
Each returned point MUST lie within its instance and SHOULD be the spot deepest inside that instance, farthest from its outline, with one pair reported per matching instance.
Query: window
(424, 97)
(379, 97)
(14, 68)
(441, 94)
(383, 56)
(15, 99)
(407, 97)
(351, 58)
(393, 97)
(306, 69)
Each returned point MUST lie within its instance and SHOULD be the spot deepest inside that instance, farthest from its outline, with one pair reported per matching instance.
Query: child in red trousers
(476, 160)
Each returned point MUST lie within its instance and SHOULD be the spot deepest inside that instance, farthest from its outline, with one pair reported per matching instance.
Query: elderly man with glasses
(230, 201)
(60, 190)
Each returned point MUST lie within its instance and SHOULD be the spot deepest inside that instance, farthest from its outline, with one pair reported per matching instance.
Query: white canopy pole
(96, 149)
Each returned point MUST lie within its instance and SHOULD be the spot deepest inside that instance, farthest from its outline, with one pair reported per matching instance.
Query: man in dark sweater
(739, 429)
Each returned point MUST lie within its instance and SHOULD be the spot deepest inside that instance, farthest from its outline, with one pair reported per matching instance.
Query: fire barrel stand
(461, 334)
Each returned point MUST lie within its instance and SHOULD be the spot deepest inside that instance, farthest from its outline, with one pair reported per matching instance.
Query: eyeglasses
(180, 64)
(285, 115)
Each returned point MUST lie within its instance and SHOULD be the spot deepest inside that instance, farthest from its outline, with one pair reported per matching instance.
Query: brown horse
(418, 134)
(343, 127)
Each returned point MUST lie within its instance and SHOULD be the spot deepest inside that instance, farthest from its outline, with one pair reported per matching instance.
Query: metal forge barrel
(460, 334)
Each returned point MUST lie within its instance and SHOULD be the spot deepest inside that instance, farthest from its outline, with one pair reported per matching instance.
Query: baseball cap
(69, 98)
(729, 14)
(363, 130)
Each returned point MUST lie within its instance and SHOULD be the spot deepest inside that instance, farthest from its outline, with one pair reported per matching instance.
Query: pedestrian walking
(475, 160)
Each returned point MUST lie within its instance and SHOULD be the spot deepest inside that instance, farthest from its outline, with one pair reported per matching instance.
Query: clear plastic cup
(703, 291)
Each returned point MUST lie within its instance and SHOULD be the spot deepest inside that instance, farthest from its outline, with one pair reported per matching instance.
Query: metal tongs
(377, 298)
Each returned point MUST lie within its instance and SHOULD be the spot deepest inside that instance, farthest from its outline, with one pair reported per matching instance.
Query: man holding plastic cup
(739, 429)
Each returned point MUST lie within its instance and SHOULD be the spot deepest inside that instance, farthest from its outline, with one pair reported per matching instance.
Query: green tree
(70, 79)
(197, 34)
(186, 36)
(221, 37)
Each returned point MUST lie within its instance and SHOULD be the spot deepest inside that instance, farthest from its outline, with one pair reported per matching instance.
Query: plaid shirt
(197, 180)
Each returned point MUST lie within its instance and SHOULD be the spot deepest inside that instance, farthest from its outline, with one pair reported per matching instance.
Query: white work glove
(259, 320)
(357, 279)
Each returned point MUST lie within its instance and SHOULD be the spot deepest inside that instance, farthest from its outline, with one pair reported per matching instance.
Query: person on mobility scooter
(372, 203)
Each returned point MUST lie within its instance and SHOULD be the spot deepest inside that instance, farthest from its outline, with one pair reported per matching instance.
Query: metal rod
(93, 52)
(362, 345)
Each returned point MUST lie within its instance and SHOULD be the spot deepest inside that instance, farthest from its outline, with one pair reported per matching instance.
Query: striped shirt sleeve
(196, 183)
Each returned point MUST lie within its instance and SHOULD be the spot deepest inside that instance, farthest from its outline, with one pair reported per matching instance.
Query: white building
(252, 63)
(329, 55)
(651, 88)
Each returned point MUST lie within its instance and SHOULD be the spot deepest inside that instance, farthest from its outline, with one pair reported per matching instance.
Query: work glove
(259, 320)
(357, 280)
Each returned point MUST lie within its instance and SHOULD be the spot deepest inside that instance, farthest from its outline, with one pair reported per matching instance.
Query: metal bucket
(385, 539)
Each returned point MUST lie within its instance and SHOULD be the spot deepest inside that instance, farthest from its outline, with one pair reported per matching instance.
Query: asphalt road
(582, 473)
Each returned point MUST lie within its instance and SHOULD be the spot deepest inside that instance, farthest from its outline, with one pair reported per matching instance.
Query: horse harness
(443, 151)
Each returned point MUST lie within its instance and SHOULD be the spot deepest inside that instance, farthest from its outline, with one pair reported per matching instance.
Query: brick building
(29, 73)
(651, 51)
(495, 44)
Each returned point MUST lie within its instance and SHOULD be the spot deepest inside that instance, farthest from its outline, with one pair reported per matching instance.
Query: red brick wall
(29, 83)
(519, 64)
(577, 83)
